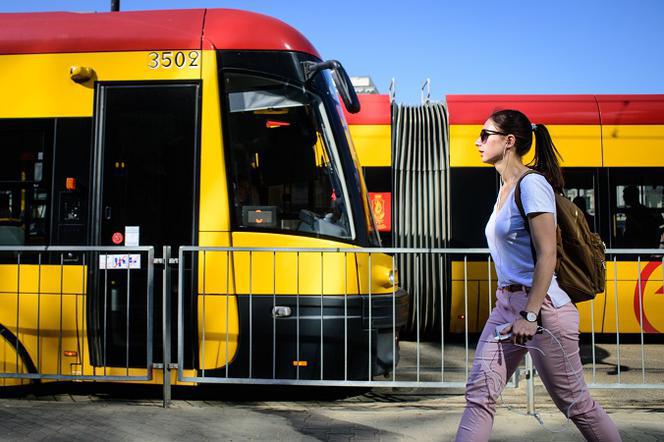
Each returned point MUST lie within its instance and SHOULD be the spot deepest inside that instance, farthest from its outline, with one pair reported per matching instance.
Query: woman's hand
(522, 330)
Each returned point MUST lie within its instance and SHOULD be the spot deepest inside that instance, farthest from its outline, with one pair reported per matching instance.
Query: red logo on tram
(381, 204)
(646, 289)
(117, 238)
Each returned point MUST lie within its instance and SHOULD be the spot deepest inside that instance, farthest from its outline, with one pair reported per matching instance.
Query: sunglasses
(486, 133)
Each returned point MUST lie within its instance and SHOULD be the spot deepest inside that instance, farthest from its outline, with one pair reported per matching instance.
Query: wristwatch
(528, 316)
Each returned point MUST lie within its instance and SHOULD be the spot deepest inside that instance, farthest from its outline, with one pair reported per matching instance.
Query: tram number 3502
(174, 59)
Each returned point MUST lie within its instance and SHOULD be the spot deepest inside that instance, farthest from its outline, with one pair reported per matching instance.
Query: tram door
(145, 169)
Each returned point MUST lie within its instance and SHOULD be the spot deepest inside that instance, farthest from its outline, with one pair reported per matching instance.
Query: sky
(472, 47)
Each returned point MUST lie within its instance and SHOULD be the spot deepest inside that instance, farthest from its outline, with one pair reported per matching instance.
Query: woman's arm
(543, 234)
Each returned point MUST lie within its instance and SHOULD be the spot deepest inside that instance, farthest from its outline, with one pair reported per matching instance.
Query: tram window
(473, 193)
(283, 172)
(580, 188)
(637, 200)
(24, 181)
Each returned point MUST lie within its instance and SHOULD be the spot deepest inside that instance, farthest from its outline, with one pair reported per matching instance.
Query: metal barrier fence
(250, 289)
(296, 316)
(69, 313)
(292, 316)
(636, 279)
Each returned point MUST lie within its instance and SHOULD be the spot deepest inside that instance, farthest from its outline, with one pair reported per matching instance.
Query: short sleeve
(537, 195)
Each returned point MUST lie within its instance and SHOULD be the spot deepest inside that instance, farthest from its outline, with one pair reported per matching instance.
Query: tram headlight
(385, 276)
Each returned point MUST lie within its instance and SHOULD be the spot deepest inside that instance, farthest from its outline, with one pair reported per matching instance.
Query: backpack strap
(522, 211)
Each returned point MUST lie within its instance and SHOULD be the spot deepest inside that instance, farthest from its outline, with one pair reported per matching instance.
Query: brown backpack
(581, 264)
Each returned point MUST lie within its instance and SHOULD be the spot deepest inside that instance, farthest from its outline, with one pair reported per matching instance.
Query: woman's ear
(510, 141)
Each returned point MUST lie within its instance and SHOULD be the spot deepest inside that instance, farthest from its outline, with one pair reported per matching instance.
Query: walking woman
(528, 298)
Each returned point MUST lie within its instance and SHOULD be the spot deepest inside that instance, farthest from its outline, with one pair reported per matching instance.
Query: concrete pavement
(122, 413)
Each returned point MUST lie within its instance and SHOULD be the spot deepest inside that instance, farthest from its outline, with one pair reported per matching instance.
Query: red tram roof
(67, 32)
(561, 109)
(631, 109)
(374, 109)
(646, 109)
(548, 109)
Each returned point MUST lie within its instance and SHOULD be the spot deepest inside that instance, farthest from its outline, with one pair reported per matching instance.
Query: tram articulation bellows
(420, 181)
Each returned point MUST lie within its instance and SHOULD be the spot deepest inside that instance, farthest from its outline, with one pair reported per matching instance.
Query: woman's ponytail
(547, 158)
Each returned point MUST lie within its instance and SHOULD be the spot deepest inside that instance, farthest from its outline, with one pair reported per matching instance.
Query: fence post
(166, 325)
(530, 385)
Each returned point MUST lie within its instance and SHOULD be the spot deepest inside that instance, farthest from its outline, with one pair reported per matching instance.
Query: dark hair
(546, 158)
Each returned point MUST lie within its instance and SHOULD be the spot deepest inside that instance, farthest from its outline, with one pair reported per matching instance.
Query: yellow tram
(613, 165)
(206, 127)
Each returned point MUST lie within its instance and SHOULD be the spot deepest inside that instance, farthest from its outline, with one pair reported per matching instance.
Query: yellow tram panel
(40, 85)
(603, 308)
(579, 145)
(338, 274)
(213, 212)
(633, 145)
(46, 323)
(591, 314)
(43, 279)
(255, 273)
(474, 270)
(381, 266)
(218, 323)
(372, 144)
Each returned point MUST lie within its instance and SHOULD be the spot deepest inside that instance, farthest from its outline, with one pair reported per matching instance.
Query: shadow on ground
(324, 428)
(232, 393)
(600, 356)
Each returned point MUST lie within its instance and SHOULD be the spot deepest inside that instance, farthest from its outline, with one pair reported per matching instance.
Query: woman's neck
(510, 169)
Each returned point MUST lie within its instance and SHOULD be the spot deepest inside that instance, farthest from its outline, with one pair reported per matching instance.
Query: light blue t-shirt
(509, 241)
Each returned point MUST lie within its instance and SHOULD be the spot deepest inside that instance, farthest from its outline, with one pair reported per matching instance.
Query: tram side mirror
(341, 81)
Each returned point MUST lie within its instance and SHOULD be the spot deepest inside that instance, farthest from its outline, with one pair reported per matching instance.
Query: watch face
(530, 316)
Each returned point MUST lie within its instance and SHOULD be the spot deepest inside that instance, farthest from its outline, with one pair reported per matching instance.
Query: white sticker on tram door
(119, 262)
(132, 235)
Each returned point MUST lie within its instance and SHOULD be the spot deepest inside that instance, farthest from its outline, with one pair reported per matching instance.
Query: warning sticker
(119, 262)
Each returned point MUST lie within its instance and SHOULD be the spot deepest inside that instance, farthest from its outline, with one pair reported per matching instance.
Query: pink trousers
(560, 371)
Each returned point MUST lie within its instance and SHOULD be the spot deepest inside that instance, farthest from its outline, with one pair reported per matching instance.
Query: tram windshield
(286, 173)
(373, 237)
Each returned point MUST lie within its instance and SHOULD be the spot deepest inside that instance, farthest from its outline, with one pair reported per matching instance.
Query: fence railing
(254, 286)
(291, 316)
(631, 323)
(313, 316)
(67, 313)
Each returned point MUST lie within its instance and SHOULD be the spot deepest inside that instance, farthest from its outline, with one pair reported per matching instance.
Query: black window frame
(286, 66)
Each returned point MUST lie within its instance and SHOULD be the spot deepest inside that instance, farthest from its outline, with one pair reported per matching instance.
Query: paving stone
(377, 416)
